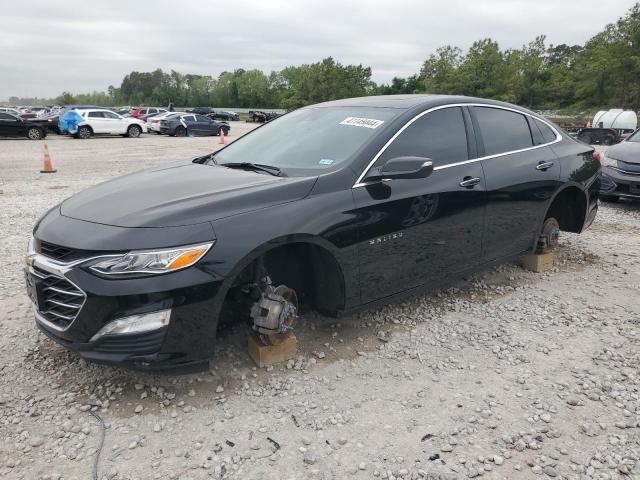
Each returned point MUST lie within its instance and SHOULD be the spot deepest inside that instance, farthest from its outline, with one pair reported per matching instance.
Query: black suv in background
(340, 206)
(12, 126)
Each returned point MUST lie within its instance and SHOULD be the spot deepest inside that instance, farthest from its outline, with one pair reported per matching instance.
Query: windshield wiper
(270, 169)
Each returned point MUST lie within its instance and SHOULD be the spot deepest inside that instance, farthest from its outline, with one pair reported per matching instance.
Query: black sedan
(621, 173)
(192, 125)
(338, 206)
(12, 126)
(224, 115)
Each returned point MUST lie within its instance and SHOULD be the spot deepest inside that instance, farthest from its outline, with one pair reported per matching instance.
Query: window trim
(359, 182)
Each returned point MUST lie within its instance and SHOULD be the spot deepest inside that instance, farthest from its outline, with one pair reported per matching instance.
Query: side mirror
(403, 167)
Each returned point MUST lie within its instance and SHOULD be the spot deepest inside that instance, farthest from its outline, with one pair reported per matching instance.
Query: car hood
(183, 194)
(628, 152)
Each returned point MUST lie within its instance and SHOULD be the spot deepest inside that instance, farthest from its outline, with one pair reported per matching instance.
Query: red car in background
(140, 112)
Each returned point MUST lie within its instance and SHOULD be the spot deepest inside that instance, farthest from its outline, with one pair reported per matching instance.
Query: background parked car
(202, 110)
(106, 122)
(191, 124)
(144, 111)
(153, 122)
(620, 176)
(11, 110)
(13, 126)
(260, 116)
(224, 115)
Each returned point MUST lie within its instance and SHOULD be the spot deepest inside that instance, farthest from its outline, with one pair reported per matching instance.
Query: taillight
(597, 158)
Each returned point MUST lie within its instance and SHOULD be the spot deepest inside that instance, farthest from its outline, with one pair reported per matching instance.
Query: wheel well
(570, 209)
(311, 270)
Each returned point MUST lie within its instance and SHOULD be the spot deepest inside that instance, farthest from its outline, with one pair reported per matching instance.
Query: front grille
(59, 300)
(63, 254)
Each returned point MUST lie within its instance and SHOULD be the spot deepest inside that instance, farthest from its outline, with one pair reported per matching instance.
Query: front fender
(320, 220)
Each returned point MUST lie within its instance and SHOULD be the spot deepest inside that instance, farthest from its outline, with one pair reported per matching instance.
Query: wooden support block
(264, 355)
(538, 262)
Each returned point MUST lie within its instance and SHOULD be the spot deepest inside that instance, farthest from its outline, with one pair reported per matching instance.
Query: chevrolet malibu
(335, 207)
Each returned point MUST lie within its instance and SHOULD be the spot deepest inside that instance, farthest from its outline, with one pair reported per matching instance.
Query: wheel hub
(549, 236)
(275, 314)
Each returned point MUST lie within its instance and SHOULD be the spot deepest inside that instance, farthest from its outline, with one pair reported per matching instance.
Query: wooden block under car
(538, 262)
(264, 355)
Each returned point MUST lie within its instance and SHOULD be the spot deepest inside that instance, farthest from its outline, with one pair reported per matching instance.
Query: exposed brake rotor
(548, 239)
(275, 314)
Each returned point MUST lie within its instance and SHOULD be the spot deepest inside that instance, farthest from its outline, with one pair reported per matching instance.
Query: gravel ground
(509, 374)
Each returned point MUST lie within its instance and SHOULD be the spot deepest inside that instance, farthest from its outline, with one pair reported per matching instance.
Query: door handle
(469, 182)
(544, 166)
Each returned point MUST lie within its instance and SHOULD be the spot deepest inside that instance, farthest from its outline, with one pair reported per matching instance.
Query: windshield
(309, 138)
(635, 137)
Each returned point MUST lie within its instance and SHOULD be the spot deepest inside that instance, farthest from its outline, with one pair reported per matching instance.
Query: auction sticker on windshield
(362, 122)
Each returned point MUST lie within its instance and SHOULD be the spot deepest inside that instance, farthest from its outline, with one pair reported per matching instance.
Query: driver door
(416, 231)
(114, 123)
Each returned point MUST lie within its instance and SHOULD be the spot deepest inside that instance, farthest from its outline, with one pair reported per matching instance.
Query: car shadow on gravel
(321, 340)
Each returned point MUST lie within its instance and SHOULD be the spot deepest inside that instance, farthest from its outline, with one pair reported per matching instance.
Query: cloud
(89, 46)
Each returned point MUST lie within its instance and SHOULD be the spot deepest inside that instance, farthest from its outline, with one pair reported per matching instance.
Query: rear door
(97, 122)
(522, 174)
(415, 231)
(189, 122)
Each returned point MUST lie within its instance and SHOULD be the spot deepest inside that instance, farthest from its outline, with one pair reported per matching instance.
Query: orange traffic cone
(221, 142)
(48, 166)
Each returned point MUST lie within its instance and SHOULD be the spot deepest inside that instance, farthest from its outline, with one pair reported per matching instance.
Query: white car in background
(12, 111)
(100, 121)
(153, 123)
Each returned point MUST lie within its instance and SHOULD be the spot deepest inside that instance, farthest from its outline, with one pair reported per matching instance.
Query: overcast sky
(82, 46)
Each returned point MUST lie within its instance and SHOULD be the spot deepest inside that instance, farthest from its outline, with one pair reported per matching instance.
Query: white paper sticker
(326, 161)
(362, 122)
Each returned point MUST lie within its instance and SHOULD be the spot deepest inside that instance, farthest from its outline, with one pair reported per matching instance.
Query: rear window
(502, 130)
(96, 115)
(547, 133)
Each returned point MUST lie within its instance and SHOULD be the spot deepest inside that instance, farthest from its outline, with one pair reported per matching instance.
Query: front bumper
(186, 343)
(616, 183)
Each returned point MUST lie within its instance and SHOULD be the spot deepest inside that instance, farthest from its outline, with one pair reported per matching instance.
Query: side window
(110, 115)
(96, 115)
(202, 119)
(440, 135)
(189, 118)
(548, 134)
(502, 130)
(6, 116)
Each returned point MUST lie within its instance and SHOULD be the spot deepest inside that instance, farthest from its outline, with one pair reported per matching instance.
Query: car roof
(95, 110)
(406, 102)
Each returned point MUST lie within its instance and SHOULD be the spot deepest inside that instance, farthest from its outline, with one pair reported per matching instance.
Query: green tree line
(602, 73)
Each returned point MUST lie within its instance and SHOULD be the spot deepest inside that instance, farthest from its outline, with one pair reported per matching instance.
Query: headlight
(151, 261)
